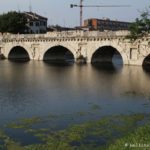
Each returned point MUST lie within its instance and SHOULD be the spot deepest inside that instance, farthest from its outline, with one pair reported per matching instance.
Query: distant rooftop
(108, 19)
(34, 16)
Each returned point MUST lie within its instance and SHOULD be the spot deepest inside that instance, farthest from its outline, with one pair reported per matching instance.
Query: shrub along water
(122, 130)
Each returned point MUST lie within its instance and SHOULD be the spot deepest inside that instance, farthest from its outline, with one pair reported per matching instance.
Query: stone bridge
(85, 43)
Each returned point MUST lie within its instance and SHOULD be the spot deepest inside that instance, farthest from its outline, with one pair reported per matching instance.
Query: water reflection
(38, 88)
(106, 66)
(59, 63)
(146, 68)
(19, 60)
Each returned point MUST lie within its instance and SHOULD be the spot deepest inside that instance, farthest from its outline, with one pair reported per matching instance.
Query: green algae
(95, 135)
(8, 143)
(146, 105)
(2, 134)
(82, 113)
(11, 145)
(139, 139)
(95, 107)
(30, 121)
(24, 123)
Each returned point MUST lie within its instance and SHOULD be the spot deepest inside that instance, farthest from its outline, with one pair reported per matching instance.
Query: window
(44, 23)
(31, 23)
(37, 23)
(41, 23)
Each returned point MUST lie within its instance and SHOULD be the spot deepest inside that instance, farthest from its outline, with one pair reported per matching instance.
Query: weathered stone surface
(79, 43)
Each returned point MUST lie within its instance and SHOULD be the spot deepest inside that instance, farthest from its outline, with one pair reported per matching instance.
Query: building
(58, 28)
(105, 24)
(35, 23)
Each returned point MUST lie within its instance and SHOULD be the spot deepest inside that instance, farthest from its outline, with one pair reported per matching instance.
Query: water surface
(82, 92)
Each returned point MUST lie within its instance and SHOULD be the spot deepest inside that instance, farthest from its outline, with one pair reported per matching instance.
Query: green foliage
(11, 145)
(24, 123)
(141, 26)
(108, 133)
(12, 22)
(140, 136)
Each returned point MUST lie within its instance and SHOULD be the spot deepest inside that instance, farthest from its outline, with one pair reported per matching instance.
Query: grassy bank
(109, 133)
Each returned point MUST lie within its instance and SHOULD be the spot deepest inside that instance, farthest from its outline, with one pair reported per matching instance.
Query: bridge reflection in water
(104, 57)
(56, 89)
(40, 89)
(61, 54)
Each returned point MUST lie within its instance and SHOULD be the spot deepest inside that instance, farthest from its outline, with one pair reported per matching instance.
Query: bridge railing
(86, 33)
(65, 34)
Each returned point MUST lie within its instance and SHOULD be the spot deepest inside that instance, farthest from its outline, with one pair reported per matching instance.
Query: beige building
(35, 23)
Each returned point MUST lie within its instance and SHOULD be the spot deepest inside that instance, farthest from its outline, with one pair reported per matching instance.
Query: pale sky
(59, 11)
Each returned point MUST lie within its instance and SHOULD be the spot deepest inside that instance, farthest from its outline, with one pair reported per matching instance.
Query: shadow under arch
(18, 53)
(146, 64)
(58, 55)
(107, 56)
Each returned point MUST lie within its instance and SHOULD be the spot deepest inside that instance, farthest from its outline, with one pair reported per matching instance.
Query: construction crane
(81, 8)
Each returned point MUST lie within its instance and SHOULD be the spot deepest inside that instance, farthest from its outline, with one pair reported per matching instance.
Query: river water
(36, 88)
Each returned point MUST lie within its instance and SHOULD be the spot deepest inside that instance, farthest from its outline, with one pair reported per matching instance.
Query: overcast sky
(59, 11)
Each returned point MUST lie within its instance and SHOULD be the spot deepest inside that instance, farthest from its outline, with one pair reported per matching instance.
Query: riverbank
(108, 133)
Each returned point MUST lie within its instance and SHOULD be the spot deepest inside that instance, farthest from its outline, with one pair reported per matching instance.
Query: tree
(141, 26)
(12, 22)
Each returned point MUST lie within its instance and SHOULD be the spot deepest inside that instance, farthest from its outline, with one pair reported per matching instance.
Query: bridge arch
(18, 53)
(146, 61)
(144, 57)
(10, 48)
(106, 52)
(58, 53)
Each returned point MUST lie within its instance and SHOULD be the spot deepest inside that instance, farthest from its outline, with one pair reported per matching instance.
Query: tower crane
(81, 8)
